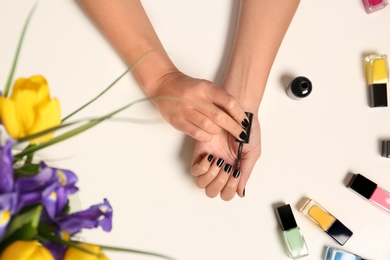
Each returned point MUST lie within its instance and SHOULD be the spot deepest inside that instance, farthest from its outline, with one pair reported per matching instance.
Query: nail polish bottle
(377, 75)
(370, 190)
(326, 221)
(338, 254)
(293, 239)
(299, 88)
(374, 5)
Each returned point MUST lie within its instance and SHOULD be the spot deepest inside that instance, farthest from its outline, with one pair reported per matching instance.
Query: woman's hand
(197, 107)
(214, 163)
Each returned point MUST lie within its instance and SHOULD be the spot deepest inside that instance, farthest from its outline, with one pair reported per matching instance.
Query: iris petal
(95, 216)
(6, 168)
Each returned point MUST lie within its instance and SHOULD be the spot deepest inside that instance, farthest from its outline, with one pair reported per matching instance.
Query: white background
(309, 146)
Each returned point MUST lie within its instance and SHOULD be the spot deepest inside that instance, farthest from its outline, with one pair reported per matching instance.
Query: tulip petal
(9, 118)
(49, 115)
(22, 250)
(74, 253)
(42, 89)
(25, 102)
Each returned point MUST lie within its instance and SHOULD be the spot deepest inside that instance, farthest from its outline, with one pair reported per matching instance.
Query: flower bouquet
(35, 217)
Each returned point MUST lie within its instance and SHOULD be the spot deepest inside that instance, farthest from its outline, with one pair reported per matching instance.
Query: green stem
(110, 86)
(16, 58)
(128, 250)
(31, 149)
(43, 237)
(73, 132)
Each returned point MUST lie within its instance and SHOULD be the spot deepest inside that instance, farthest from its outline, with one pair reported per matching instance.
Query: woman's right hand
(198, 107)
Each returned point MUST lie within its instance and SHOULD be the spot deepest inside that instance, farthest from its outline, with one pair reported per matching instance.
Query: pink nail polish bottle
(374, 5)
(370, 190)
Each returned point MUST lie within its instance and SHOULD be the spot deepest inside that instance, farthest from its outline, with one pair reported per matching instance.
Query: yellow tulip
(30, 109)
(23, 250)
(74, 253)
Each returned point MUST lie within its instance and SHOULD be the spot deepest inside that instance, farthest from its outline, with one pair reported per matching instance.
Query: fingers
(203, 166)
(203, 180)
(191, 130)
(229, 191)
(233, 118)
(216, 177)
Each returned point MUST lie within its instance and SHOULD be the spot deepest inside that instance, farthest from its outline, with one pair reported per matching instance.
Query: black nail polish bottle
(299, 88)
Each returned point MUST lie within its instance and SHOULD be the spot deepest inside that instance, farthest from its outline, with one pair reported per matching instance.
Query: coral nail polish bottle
(374, 5)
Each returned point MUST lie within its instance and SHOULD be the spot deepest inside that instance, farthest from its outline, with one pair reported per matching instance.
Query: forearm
(126, 25)
(261, 27)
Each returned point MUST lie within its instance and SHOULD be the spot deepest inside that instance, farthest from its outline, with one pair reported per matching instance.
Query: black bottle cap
(300, 87)
(386, 149)
(378, 95)
(362, 185)
(339, 232)
(286, 217)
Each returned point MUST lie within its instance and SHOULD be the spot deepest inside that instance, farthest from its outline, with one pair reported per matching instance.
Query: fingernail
(243, 135)
(236, 173)
(220, 162)
(243, 193)
(227, 168)
(210, 158)
(245, 123)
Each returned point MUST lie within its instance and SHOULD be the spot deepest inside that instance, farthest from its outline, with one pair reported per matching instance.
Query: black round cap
(301, 87)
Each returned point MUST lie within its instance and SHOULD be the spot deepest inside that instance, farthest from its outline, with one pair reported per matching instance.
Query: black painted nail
(236, 173)
(210, 158)
(227, 168)
(243, 135)
(245, 123)
(220, 162)
(243, 193)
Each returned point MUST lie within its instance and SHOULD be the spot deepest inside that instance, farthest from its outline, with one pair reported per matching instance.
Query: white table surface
(309, 146)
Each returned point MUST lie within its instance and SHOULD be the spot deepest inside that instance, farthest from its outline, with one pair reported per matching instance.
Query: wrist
(151, 68)
(248, 94)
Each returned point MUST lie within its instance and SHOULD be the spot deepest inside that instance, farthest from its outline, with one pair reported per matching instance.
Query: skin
(216, 124)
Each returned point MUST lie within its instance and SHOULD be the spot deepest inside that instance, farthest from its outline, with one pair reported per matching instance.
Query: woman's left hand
(214, 163)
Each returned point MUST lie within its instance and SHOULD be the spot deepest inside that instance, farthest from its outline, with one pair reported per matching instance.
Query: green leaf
(22, 227)
(94, 122)
(73, 132)
(110, 86)
(45, 236)
(16, 58)
(49, 130)
(129, 250)
(27, 170)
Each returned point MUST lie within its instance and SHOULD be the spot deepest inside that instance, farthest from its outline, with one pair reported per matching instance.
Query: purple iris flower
(56, 249)
(95, 216)
(8, 203)
(6, 168)
(51, 187)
